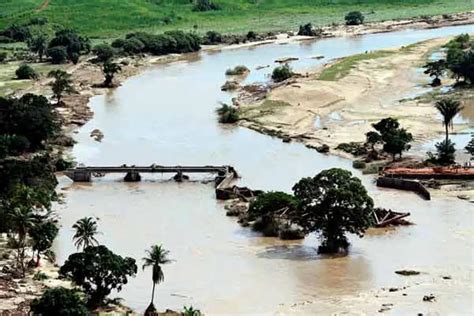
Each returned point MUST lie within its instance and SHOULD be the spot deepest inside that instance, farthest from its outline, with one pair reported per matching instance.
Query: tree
(24, 204)
(59, 301)
(104, 52)
(62, 84)
(227, 114)
(446, 152)
(86, 229)
(43, 234)
(190, 311)
(71, 42)
(156, 257)
(448, 108)
(397, 142)
(354, 18)
(25, 72)
(470, 146)
(282, 73)
(30, 116)
(110, 69)
(57, 54)
(333, 203)
(98, 271)
(372, 139)
(435, 69)
(270, 202)
(309, 30)
(38, 44)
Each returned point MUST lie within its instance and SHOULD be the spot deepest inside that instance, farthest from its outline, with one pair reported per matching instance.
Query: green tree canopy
(332, 204)
(98, 271)
(62, 83)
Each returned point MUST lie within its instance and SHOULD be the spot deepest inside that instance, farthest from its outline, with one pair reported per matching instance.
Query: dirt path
(43, 6)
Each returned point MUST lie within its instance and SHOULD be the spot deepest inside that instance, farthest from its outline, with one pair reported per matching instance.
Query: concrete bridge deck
(132, 173)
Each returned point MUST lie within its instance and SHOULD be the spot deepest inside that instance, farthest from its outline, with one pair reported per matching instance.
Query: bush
(118, 43)
(185, 42)
(3, 57)
(57, 54)
(227, 114)
(133, 46)
(25, 72)
(309, 30)
(282, 73)
(445, 152)
(237, 71)
(40, 276)
(354, 18)
(251, 35)
(212, 38)
(271, 202)
(205, 5)
(104, 52)
(59, 301)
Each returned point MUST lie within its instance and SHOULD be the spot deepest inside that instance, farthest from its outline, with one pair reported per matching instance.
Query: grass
(111, 18)
(268, 107)
(341, 68)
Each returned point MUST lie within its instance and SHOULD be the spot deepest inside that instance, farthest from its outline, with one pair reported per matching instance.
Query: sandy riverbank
(318, 112)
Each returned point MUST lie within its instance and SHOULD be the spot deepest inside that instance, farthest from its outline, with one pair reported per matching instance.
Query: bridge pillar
(132, 176)
(180, 177)
(81, 176)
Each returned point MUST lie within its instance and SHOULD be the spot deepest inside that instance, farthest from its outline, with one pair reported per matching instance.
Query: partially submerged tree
(227, 114)
(59, 301)
(86, 230)
(110, 69)
(354, 18)
(448, 108)
(435, 69)
(98, 271)
(156, 256)
(333, 203)
(62, 84)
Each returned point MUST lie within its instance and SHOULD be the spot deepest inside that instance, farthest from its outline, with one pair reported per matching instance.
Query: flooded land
(166, 115)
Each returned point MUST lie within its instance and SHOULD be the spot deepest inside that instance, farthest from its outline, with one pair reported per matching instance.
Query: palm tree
(448, 108)
(86, 229)
(156, 256)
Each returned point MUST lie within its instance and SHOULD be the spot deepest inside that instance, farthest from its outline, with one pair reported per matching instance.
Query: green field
(109, 18)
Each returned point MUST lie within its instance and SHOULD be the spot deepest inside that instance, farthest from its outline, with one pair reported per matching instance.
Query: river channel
(166, 115)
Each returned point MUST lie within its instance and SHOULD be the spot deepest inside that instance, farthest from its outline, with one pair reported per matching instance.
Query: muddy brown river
(166, 116)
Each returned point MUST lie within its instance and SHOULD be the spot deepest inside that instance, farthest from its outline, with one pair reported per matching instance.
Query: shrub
(185, 42)
(40, 276)
(356, 149)
(57, 54)
(133, 46)
(26, 72)
(118, 43)
(3, 56)
(205, 5)
(282, 73)
(271, 202)
(212, 38)
(227, 114)
(104, 52)
(251, 35)
(445, 152)
(309, 30)
(237, 71)
(59, 301)
(354, 18)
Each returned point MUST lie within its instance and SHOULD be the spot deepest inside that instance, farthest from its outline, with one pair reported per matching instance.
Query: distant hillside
(105, 18)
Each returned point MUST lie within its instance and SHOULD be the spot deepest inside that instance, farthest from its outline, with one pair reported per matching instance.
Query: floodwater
(166, 116)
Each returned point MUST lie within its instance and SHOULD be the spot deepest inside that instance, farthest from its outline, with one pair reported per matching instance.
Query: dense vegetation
(106, 19)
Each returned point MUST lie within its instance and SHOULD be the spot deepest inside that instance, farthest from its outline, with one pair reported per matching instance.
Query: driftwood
(384, 217)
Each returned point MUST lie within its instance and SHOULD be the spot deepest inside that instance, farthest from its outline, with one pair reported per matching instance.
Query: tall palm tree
(448, 108)
(86, 229)
(156, 257)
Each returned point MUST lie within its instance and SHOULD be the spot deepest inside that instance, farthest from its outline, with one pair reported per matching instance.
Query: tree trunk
(38, 259)
(447, 133)
(153, 293)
